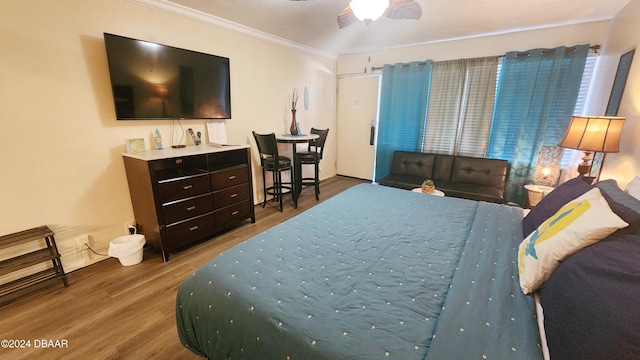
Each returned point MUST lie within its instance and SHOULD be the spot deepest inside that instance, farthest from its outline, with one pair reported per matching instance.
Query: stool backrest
(319, 142)
(267, 145)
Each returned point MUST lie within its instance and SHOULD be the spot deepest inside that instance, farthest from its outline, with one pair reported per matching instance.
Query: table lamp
(547, 169)
(592, 134)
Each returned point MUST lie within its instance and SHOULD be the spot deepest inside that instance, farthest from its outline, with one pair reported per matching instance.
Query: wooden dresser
(180, 196)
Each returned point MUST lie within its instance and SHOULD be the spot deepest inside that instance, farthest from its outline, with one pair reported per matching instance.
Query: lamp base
(585, 168)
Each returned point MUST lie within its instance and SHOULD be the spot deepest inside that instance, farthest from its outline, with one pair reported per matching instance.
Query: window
(460, 107)
(458, 115)
(569, 156)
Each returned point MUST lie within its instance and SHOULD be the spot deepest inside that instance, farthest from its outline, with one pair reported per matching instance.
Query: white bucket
(128, 249)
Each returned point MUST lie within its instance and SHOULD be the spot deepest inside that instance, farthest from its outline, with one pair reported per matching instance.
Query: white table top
(436, 192)
(170, 152)
(296, 138)
(539, 188)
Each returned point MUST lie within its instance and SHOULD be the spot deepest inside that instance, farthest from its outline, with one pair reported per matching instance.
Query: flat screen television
(154, 81)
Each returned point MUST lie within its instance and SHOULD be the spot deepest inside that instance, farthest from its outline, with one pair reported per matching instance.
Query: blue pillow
(611, 188)
(590, 302)
(554, 200)
(623, 204)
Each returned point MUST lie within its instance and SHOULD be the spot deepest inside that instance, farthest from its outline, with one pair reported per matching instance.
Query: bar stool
(276, 164)
(311, 157)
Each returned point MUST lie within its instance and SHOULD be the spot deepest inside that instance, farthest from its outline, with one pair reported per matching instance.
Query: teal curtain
(537, 93)
(403, 107)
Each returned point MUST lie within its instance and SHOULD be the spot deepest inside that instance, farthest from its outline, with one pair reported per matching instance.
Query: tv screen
(153, 81)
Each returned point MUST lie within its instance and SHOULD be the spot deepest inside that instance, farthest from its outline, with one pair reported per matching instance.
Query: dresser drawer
(232, 213)
(230, 195)
(179, 167)
(232, 176)
(187, 208)
(181, 188)
(186, 232)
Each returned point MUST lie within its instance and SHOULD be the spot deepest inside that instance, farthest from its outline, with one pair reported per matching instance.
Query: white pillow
(578, 224)
(633, 187)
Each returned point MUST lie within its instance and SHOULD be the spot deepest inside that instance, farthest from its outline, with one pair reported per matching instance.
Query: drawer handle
(190, 208)
(232, 177)
(235, 212)
(193, 228)
(178, 161)
(233, 195)
(187, 187)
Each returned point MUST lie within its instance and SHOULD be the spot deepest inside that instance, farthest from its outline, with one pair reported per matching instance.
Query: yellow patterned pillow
(578, 224)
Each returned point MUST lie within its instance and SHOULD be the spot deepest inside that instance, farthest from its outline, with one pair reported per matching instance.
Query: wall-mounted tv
(153, 81)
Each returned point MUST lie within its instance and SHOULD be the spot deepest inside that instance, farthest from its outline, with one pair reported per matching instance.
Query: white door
(357, 113)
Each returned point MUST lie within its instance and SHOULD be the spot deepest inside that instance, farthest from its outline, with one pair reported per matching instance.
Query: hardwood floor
(114, 312)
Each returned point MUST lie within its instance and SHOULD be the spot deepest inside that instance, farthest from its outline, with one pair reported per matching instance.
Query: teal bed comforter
(373, 273)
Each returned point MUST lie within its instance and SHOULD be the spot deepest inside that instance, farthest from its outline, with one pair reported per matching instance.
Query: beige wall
(624, 35)
(60, 145)
(588, 33)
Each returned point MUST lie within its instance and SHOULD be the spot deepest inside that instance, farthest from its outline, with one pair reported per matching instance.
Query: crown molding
(195, 15)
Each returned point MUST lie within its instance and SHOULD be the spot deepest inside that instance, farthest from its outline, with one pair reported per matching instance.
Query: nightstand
(535, 193)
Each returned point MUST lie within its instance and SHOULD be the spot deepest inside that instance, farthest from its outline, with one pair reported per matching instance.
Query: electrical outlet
(82, 249)
(128, 225)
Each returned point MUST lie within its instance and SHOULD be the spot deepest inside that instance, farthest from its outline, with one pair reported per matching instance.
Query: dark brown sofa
(457, 176)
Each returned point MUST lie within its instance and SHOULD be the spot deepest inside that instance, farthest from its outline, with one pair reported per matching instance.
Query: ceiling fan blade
(346, 18)
(404, 9)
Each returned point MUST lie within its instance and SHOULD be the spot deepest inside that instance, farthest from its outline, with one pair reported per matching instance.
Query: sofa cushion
(471, 191)
(402, 181)
(413, 164)
(442, 169)
(478, 178)
(479, 171)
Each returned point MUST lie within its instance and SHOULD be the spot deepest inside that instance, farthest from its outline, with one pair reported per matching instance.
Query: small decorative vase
(428, 189)
(293, 128)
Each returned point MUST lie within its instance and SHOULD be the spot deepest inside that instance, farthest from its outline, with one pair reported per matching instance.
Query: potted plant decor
(428, 186)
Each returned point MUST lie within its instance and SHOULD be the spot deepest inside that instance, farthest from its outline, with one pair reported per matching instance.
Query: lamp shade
(593, 133)
(160, 91)
(368, 10)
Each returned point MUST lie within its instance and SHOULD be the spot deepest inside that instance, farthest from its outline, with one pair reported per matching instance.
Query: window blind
(570, 157)
(460, 107)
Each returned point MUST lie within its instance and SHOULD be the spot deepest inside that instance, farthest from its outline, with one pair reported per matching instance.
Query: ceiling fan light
(368, 10)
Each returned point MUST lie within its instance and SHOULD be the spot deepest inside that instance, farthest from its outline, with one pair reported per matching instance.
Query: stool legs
(315, 181)
(264, 188)
(278, 186)
(276, 189)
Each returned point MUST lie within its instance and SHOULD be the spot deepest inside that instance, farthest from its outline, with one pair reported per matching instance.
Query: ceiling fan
(370, 10)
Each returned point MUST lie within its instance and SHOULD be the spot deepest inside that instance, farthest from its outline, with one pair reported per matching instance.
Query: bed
(372, 273)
